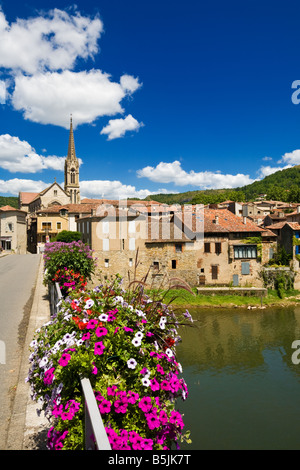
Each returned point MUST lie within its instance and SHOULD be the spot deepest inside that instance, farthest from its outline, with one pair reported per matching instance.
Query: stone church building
(47, 211)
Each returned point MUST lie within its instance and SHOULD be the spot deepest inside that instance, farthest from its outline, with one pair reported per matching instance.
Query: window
(214, 272)
(105, 227)
(55, 192)
(105, 244)
(206, 247)
(58, 225)
(130, 262)
(10, 227)
(46, 225)
(72, 176)
(173, 263)
(132, 244)
(123, 243)
(106, 263)
(178, 247)
(131, 226)
(245, 251)
(218, 248)
(156, 265)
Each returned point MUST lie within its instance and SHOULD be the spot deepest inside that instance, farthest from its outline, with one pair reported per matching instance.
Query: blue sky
(166, 96)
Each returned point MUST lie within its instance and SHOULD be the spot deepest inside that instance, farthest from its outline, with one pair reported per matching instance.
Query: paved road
(17, 280)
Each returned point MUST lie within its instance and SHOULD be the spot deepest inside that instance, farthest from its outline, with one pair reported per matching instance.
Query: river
(244, 389)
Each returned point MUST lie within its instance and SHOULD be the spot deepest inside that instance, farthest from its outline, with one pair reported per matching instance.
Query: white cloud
(2, 92)
(50, 42)
(117, 127)
(19, 156)
(292, 158)
(129, 84)
(269, 170)
(39, 56)
(99, 189)
(49, 98)
(16, 185)
(267, 159)
(173, 173)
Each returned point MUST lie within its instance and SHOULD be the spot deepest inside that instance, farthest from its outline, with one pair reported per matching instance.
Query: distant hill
(284, 185)
(9, 201)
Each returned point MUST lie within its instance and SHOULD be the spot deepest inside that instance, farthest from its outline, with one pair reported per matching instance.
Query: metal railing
(94, 428)
(55, 297)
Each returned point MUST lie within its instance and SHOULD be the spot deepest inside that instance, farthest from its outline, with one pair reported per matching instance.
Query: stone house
(171, 245)
(234, 250)
(13, 230)
(50, 221)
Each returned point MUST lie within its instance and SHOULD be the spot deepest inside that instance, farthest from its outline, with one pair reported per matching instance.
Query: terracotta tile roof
(220, 220)
(124, 202)
(72, 208)
(268, 233)
(293, 225)
(10, 208)
(277, 226)
(26, 198)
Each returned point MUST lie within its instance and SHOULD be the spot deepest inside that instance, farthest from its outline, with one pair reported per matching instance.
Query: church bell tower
(72, 170)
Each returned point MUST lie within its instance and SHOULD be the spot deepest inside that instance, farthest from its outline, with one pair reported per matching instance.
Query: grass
(186, 299)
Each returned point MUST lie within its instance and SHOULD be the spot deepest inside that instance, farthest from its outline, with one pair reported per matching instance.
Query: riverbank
(181, 298)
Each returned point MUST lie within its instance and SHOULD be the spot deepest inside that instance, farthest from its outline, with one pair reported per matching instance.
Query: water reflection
(244, 388)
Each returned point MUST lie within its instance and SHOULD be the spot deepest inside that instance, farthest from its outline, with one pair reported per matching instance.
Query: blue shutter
(245, 267)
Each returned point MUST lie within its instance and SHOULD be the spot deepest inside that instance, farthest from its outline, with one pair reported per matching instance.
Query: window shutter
(245, 267)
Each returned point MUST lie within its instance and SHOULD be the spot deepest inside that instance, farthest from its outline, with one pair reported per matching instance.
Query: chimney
(216, 221)
(298, 209)
(244, 220)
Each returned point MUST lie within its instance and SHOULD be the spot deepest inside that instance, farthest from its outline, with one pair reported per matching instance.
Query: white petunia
(131, 363)
(103, 317)
(139, 335)
(146, 382)
(169, 353)
(89, 303)
(136, 342)
(43, 362)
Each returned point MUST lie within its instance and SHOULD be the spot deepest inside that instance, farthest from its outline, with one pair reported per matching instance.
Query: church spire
(72, 187)
(71, 149)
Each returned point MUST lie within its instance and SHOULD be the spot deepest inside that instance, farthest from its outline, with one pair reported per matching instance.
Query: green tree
(67, 236)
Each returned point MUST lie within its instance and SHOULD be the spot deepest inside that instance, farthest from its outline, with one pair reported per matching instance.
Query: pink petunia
(145, 404)
(105, 406)
(111, 391)
(64, 360)
(92, 324)
(164, 385)
(99, 348)
(101, 331)
(49, 376)
(154, 385)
